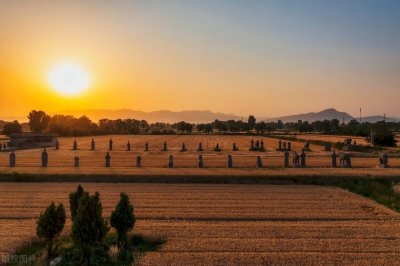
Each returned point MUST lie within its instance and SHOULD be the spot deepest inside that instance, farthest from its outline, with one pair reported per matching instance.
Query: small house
(33, 140)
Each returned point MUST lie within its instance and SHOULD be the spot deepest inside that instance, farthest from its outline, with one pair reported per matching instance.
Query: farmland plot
(92, 162)
(228, 224)
(332, 138)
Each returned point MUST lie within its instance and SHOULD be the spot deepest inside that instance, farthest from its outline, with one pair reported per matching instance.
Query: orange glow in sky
(266, 59)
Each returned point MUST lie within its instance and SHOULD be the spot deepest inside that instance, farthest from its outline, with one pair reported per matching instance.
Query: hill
(329, 114)
(377, 118)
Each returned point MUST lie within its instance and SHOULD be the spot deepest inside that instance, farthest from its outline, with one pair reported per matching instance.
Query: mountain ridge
(332, 113)
(206, 116)
(194, 116)
(329, 114)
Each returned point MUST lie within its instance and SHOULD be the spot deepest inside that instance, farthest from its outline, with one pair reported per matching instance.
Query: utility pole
(360, 115)
(384, 118)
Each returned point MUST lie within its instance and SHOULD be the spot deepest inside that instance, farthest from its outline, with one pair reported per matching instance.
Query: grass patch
(338, 145)
(138, 242)
(34, 253)
(28, 254)
(144, 244)
(381, 191)
(283, 137)
(358, 147)
(320, 177)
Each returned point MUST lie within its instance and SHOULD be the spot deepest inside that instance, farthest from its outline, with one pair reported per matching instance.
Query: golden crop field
(332, 138)
(227, 224)
(123, 162)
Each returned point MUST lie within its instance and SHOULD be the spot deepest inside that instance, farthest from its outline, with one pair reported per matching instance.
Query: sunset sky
(267, 58)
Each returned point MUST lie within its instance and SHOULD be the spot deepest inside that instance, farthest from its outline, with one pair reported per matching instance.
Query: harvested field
(332, 138)
(92, 162)
(228, 224)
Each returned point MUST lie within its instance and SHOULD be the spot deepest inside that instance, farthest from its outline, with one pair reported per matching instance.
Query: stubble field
(332, 138)
(123, 162)
(228, 224)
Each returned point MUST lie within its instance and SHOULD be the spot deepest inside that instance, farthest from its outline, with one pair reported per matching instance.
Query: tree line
(67, 125)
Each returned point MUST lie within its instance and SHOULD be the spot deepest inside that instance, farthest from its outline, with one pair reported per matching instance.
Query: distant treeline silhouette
(67, 125)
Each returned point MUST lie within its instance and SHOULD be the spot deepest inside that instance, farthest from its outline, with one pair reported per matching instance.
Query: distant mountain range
(330, 114)
(194, 116)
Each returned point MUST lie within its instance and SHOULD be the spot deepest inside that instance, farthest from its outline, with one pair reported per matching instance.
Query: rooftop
(32, 134)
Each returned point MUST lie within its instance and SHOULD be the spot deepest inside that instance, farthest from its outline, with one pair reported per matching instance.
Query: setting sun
(69, 79)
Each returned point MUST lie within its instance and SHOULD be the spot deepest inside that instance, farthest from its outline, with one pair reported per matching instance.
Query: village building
(33, 140)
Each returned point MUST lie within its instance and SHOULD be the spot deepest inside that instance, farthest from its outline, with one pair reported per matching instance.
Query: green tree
(279, 124)
(208, 128)
(261, 127)
(50, 225)
(220, 126)
(201, 127)
(89, 228)
(181, 126)
(12, 127)
(233, 126)
(335, 125)
(38, 121)
(383, 135)
(123, 219)
(252, 122)
(189, 128)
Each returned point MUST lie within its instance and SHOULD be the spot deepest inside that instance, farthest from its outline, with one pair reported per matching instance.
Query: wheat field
(332, 138)
(227, 224)
(122, 161)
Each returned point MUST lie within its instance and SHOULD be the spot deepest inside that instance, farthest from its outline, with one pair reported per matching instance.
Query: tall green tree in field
(50, 225)
(123, 219)
(89, 229)
(38, 121)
